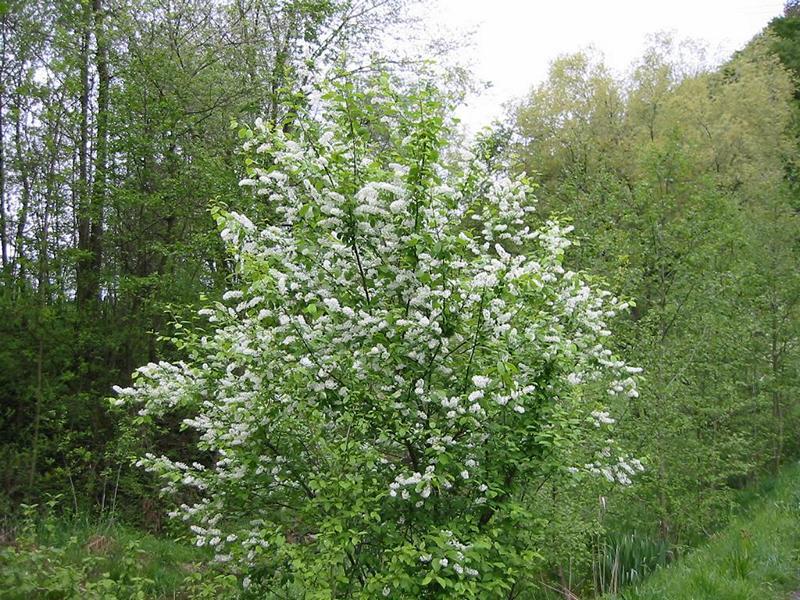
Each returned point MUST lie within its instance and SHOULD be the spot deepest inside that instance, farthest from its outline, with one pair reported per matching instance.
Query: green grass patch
(757, 557)
(66, 558)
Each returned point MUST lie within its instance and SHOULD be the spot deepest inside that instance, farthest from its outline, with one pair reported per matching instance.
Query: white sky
(515, 40)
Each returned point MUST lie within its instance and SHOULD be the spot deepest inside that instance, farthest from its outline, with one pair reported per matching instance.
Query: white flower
(332, 304)
(398, 206)
(479, 381)
(602, 417)
(465, 474)
(387, 590)
(476, 395)
(243, 221)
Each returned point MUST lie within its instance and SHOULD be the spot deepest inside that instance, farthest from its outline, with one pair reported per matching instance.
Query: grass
(63, 558)
(757, 557)
(627, 559)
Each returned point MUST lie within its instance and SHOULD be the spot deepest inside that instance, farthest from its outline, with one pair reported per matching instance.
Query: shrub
(402, 363)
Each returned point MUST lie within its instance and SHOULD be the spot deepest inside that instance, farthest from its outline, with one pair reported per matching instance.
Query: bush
(402, 364)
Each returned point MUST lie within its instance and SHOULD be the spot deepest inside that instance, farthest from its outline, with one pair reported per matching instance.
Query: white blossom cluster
(620, 471)
(402, 326)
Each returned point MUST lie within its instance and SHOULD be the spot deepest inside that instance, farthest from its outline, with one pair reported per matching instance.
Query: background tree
(670, 175)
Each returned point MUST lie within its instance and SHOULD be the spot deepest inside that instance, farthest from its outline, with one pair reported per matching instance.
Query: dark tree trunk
(84, 286)
(3, 231)
(99, 185)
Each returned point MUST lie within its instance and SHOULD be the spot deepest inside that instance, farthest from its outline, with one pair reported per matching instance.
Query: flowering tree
(403, 362)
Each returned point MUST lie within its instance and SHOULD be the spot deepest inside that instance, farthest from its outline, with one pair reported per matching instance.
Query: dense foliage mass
(113, 140)
(677, 178)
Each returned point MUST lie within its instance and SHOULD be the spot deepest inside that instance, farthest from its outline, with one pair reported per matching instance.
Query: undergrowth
(757, 557)
(44, 556)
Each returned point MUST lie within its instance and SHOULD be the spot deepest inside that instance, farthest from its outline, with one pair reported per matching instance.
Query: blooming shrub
(403, 361)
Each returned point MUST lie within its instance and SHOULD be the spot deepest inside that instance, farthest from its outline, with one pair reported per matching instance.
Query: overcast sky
(515, 40)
